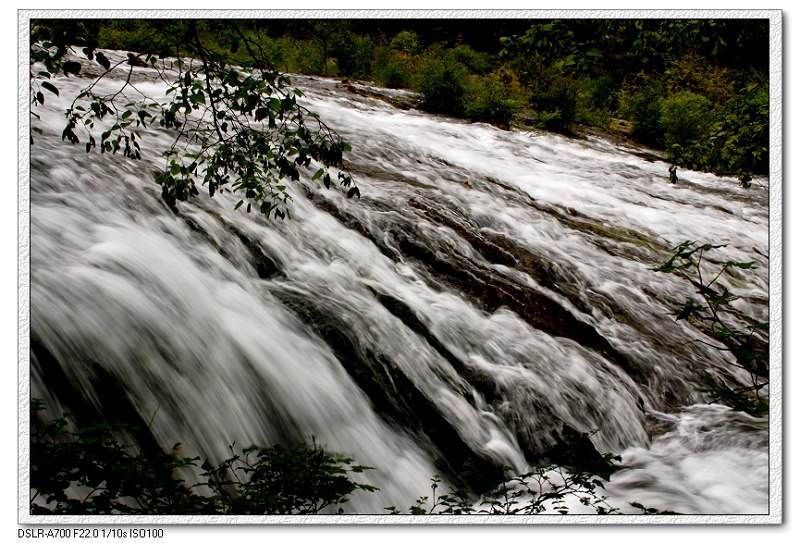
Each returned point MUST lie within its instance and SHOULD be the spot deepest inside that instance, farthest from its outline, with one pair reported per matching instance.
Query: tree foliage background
(237, 122)
(696, 88)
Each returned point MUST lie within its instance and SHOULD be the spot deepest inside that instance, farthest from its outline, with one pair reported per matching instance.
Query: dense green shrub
(586, 114)
(694, 73)
(643, 109)
(406, 42)
(278, 50)
(442, 84)
(395, 65)
(530, 70)
(92, 471)
(126, 35)
(739, 138)
(391, 68)
(353, 53)
(684, 118)
(602, 93)
(474, 61)
(486, 100)
(556, 103)
(730, 138)
(302, 56)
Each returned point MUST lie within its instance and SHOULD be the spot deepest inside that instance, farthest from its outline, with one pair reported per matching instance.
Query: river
(490, 293)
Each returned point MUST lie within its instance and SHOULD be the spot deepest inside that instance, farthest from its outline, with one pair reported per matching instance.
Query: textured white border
(776, 481)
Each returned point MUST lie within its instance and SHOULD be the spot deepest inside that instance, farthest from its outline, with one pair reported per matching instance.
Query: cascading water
(490, 294)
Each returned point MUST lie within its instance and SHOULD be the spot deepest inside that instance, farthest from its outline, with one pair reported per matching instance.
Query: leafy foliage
(237, 122)
(546, 489)
(91, 471)
(443, 84)
(559, 42)
(651, 510)
(713, 313)
(642, 105)
(737, 137)
(391, 68)
(98, 469)
(455, 82)
(693, 87)
(557, 74)
(556, 102)
(294, 480)
(682, 118)
(603, 92)
(407, 42)
(486, 100)
(352, 51)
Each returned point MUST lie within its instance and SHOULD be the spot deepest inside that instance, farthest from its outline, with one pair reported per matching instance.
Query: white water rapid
(490, 292)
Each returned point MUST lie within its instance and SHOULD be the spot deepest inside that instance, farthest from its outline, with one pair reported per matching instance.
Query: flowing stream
(490, 295)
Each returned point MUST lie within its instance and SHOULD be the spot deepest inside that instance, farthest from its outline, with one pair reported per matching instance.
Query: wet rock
(575, 450)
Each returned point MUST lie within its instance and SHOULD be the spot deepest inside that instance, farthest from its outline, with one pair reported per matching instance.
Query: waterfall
(488, 293)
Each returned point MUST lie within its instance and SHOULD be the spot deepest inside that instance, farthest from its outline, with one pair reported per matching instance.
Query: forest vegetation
(697, 89)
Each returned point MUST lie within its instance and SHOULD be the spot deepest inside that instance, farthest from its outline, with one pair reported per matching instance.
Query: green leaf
(49, 86)
(102, 60)
(71, 67)
(687, 310)
(68, 134)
